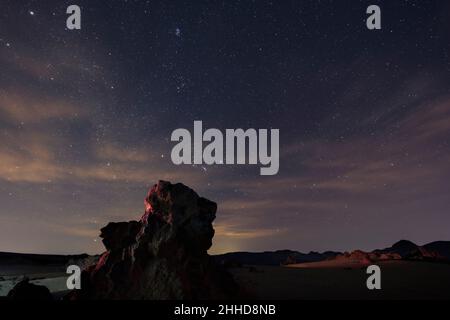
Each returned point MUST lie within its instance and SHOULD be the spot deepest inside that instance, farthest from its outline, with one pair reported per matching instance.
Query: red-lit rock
(163, 256)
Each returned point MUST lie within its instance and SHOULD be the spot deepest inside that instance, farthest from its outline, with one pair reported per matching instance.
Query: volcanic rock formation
(162, 256)
(27, 291)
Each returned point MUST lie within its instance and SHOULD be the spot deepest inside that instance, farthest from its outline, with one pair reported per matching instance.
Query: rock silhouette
(27, 291)
(408, 250)
(162, 256)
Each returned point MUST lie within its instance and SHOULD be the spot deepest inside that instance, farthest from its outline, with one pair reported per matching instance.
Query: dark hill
(9, 258)
(272, 258)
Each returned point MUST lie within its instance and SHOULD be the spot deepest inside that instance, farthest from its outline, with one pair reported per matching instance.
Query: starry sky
(364, 118)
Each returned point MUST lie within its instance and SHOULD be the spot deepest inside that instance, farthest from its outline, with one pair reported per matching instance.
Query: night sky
(364, 118)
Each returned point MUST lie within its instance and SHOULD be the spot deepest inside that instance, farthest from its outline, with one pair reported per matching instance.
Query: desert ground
(317, 280)
(399, 280)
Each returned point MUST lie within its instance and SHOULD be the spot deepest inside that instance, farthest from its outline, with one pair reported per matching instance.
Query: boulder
(25, 290)
(161, 256)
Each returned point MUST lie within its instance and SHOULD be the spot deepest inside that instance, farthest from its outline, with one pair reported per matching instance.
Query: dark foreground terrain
(399, 280)
(408, 271)
(164, 256)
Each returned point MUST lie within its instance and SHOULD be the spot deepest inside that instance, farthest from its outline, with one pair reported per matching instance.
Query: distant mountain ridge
(443, 247)
(403, 249)
(437, 250)
(272, 258)
(10, 258)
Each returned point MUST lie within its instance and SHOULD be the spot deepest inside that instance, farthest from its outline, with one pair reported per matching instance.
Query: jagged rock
(356, 257)
(119, 235)
(441, 248)
(24, 290)
(409, 250)
(162, 256)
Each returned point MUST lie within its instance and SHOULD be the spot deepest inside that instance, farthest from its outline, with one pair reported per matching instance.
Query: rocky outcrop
(162, 256)
(401, 250)
(362, 258)
(27, 291)
(410, 251)
(442, 248)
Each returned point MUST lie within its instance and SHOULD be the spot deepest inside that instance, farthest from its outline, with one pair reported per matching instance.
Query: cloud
(31, 109)
(114, 152)
(351, 182)
(429, 121)
(18, 169)
(237, 232)
(62, 66)
(38, 145)
(38, 164)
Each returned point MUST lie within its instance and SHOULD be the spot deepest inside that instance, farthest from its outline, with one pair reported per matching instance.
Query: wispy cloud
(23, 108)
